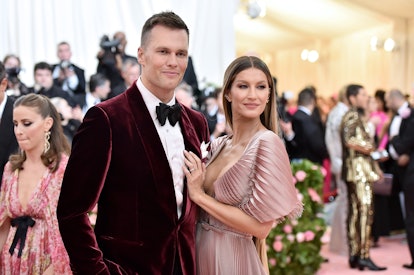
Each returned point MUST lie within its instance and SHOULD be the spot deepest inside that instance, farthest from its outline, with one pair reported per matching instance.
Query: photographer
(111, 57)
(15, 87)
(44, 84)
(67, 75)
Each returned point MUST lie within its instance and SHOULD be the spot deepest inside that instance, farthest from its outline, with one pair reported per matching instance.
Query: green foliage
(294, 245)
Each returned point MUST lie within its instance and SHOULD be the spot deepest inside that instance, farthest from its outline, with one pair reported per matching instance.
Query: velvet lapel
(148, 136)
(192, 144)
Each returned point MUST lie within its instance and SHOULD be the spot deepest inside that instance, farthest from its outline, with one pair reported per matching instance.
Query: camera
(66, 65)
(110, 48)
(109, 45)
(12, 74)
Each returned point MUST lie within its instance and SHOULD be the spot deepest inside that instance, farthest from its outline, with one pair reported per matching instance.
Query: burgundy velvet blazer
(118, 161)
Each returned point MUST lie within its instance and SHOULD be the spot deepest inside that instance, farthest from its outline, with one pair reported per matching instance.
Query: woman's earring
(227, 97)
(47, 143)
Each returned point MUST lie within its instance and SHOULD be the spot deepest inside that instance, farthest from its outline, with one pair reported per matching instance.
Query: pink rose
(323, 171)
(287, 228)
(314, 195)
(300, 175)
(294, 222)
(278, 238)
(278, 246)
(325, 238)
(272, 261)
(290, 238)
(287, 259)
(314, 167)
(299, 196)
(309, 235)
(300, 237)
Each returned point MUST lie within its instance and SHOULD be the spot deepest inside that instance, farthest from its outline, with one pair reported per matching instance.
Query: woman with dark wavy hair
(30, 241)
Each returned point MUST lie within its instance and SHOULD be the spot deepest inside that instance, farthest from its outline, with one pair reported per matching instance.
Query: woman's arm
(4, 232)
(227, 214)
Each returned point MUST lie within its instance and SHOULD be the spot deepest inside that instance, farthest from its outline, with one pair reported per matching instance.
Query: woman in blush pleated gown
(246, 185)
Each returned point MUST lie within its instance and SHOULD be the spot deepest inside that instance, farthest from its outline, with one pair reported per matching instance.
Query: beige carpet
(392, 253)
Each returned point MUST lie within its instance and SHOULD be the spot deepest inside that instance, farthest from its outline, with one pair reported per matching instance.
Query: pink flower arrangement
(272, 261)
(300, 237)
(300, 175)
(309, 235)
(293, 247)
(323, 171)
(300, 196)
(278, 246)
(287, 228)
(314, 195)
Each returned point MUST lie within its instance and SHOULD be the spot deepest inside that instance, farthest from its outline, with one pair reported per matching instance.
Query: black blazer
(403, 143)
(309, 140)
(80, 73)
(8, 143)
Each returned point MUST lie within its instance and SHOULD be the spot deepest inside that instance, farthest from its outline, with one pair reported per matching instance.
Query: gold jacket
(357, 166)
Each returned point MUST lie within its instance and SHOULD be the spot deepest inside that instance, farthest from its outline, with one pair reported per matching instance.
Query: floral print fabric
(43, 245)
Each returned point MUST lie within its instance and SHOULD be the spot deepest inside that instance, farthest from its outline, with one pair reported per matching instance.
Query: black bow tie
(172, 112)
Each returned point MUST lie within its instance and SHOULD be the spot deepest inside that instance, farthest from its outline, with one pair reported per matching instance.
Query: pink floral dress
(43, 245)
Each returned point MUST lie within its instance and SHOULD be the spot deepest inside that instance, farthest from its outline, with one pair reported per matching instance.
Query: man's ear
(3, 84)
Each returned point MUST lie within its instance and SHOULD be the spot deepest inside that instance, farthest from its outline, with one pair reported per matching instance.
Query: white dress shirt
(90, 101)
(172, 140)
(395, 129)
(70, 83)
(3, 105)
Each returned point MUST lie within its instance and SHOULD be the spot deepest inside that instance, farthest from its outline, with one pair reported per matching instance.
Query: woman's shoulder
(265, 137)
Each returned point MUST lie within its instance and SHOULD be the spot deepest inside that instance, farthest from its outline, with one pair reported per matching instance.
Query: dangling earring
(47, 143)
(227, 97)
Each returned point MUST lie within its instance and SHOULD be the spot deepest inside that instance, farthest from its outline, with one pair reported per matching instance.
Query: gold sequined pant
(360, 217)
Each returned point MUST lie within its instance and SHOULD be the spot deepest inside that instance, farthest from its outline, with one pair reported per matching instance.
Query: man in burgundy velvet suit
(129, 160)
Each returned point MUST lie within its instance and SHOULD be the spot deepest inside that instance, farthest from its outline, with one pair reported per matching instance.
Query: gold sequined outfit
(359, 172)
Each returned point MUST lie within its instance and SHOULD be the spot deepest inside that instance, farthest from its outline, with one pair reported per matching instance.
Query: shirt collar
(3, 104)
(403, 107)
(91, 100)
(305, 110)
(151, 101)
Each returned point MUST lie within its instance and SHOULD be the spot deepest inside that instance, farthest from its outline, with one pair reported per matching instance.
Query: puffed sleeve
(273, 194)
